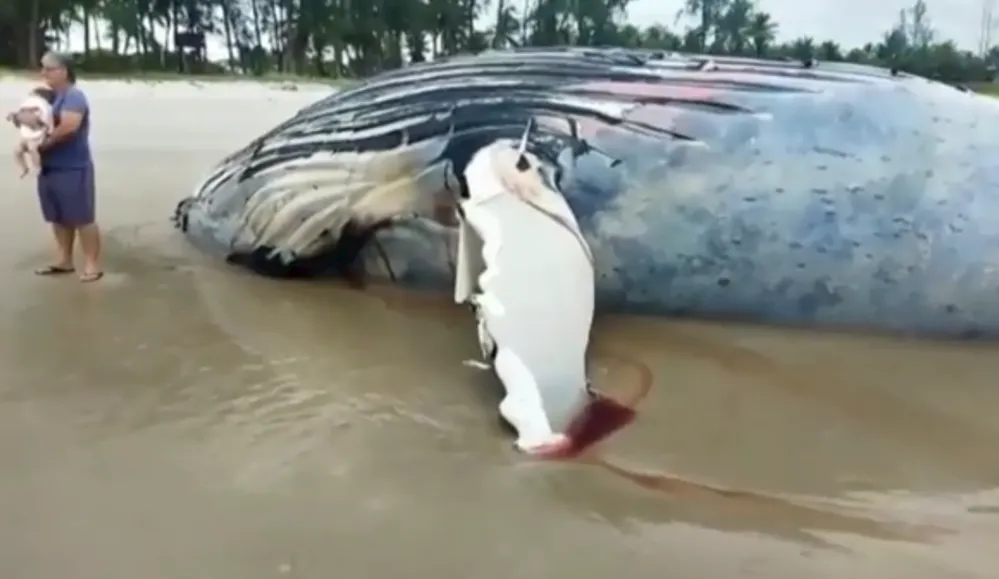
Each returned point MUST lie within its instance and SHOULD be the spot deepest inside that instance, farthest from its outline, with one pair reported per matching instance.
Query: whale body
(808, 194)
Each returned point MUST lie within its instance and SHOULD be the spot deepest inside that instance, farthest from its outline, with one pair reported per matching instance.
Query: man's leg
(67, 197)
(64, 237)
(90, 245)
(48, 199)
(82, 214)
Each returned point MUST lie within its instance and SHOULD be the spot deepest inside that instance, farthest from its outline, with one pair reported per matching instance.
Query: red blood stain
(604, 415)
(601, 418)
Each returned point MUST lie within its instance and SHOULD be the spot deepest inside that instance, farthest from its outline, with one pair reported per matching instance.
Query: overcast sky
(849, 22)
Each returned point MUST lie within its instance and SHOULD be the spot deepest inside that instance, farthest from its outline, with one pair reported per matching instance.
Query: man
(66, 188)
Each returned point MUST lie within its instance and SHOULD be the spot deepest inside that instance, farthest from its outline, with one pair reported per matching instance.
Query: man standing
(66, 188)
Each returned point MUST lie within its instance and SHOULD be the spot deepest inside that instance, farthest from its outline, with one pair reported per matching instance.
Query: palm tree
(803, 48)
(829, 50)
(762, 32)
(657, 36)
(732, 32)
(708, 12)
(354, 37)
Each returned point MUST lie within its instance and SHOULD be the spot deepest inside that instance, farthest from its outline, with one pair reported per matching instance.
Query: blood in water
(602, 417)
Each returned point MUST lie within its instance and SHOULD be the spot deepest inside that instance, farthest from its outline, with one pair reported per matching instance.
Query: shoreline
(176, 91)
(284, 80)
(157, 77)
(211, 118)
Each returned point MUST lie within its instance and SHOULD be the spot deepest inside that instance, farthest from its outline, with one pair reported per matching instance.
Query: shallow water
(182, 419)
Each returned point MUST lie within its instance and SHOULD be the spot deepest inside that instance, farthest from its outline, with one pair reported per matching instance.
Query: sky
(848, 22)
(851, 23)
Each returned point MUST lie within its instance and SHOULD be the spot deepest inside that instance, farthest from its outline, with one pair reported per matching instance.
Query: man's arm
(74, 106)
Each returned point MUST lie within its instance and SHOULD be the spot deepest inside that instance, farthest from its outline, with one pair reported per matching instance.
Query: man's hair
(45, 93)
(65, 61)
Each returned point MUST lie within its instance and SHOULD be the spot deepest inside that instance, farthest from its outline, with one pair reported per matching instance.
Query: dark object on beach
(192, 48)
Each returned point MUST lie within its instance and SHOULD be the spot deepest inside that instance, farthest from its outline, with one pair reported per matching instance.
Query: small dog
(34, 120)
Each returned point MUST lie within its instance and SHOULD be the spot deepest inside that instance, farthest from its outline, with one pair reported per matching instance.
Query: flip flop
(91, 277)
(54, 270)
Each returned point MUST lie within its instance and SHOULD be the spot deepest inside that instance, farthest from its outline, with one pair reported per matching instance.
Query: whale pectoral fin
(528, 274)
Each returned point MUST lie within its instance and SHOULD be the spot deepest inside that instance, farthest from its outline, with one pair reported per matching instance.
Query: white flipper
(526, 269)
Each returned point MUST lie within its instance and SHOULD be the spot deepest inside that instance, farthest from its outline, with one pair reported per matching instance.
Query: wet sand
(183, 419)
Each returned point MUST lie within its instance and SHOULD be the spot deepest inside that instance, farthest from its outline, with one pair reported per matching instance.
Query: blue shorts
(67, 195)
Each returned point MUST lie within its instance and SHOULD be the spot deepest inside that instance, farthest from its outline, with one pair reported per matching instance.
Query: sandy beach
(181, 419)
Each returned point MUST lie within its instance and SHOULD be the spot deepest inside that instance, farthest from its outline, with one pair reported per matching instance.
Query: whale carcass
(811, 194)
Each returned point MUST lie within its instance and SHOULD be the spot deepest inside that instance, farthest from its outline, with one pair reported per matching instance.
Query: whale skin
(806, 194)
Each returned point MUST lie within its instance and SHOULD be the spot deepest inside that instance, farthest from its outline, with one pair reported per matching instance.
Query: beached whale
(812, 194)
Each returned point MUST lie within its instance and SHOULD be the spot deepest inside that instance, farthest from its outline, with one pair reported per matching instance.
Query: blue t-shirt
(73, 152)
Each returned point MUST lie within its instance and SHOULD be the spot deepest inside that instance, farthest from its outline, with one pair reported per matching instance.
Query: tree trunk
(277, 44)
(86, 32)
(33, 48)
(318, 48)
(257, 34)
(227, 28)
(97, 39)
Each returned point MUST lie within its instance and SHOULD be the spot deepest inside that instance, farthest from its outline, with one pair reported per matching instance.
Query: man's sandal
(91, 277)
(54, 270)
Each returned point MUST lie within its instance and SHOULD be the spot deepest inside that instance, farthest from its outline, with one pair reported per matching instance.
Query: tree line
(353, 38)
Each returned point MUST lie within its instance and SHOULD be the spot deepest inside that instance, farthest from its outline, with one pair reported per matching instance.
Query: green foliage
(989, 88)
(345, 38)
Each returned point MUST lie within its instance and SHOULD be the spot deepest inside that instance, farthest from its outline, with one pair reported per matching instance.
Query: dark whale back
(506, 87)
(475, 99)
